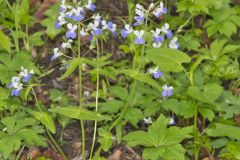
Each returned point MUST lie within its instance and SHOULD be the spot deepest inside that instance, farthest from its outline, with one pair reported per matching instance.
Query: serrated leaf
(76, 113)
(168, 60)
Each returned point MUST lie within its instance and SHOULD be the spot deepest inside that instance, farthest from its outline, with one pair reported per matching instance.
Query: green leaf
(165, 153)
(5, 42)
(233, 148)
(119, 92)
(76, 113)
(209, 95)
(50, 21)
(36, 40)
(207, 113)
(106, 139)
(160, 141)
(141, 77)
(73, 64)
(168, 60)
(222, 130)
(22, 12)
(9, 144)
(133, 115)
(46, 120)
(139, 138)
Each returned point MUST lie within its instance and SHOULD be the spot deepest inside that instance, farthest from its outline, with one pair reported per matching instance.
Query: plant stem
(49, 134)
(81, 95)
(96, 105)
(16, 26)
(196, 132)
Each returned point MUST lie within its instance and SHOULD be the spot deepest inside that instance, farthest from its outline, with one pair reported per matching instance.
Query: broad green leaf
(168, 60)
(45, 119)
(139, 138)
(76, 113)
(5, 42)
(210, 93)
(222, 130)
(165, 153)
(160, 141)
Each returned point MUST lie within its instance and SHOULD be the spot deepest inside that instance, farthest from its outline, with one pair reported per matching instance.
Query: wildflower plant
(153, 91)
(94, 28)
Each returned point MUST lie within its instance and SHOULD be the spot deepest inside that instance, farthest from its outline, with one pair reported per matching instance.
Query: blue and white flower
(165, 29)
(140, 15)
(158, 12)
(70, 13)
(78, 14)
(125, 32)
(71, 31)
(167, 91)
(67, 44)
(60, 21)
(156, 73)
(139, 37)
(16, 85)
(147, 120)
(158, 38)
(56, 54)
(90, 5)
(109, 26)
(83, 32)
(97, 17)
(174, 44)
(14, 82)
(95, 27)
(25, 74)
(172, 121)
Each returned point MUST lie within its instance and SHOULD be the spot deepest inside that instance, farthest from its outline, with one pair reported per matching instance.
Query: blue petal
(10, 85)
(92, 7)
(25, 79)
(124, 33)
(78, 17)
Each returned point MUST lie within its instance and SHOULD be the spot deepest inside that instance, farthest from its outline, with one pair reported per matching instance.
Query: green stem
(96, 106)
(16, 26)
(49, 134)
(81, 95)
(196, 132)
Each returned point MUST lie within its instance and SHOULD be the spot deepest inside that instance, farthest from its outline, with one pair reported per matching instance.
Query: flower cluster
(72, 14)
(158, 35)
(17, 81)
